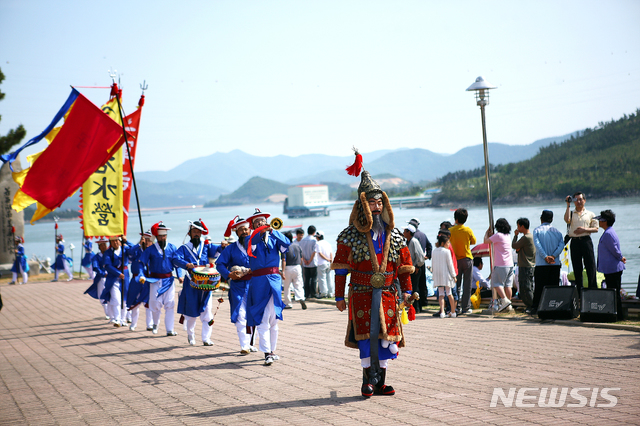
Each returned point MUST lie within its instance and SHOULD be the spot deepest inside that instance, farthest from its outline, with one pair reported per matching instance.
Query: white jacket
(443, 273)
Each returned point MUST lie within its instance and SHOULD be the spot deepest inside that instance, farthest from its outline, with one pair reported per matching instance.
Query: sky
(308, 77)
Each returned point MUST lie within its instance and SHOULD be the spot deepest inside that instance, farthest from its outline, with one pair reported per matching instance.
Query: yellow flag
(102, 193)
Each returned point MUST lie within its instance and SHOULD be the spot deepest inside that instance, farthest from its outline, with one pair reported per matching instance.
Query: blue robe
(86, 260)
(160, 263)
(261, 288)
(113, 266)
(234, 255)
(21, 260)
(61, 258)
(138, 292)
(97, 262)
(193, 302)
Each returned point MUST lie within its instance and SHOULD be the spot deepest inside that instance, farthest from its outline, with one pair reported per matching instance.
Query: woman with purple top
(610, 259)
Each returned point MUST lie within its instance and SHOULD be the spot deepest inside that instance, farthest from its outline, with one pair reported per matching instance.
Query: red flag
(86, 140)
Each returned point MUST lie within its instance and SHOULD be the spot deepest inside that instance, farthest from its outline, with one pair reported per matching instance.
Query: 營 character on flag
(139, 285)
(264, 299)
(100, 275)
(63, 262)
(86, 259)
(116, 266)
(375, 253)
(233, 265)
(194, 303)
(20, 265)
(159, 259)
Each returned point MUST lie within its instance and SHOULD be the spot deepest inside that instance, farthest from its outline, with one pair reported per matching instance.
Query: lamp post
(482, 87)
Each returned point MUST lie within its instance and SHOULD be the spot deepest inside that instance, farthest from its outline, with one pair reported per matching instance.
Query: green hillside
(254, 190)
(600, 162)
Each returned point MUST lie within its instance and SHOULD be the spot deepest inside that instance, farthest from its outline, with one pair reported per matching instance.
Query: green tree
(15, 135)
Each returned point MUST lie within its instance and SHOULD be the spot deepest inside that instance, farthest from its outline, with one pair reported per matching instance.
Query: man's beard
(241, 240)
(378, 225)
(162, 244)
(195, 241)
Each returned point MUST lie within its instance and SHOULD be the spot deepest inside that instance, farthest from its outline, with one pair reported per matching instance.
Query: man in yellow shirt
(461, 239)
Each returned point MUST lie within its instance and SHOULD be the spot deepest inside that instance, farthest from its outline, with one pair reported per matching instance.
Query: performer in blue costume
(235, 257)
(116, 266)
(264, 300)
(159, 259)
(139, 285)
(63, 263)
(20, 265)
(86, 259)
(97, 265)
(194, 303)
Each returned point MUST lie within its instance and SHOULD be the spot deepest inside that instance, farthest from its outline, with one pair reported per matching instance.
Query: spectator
(526, 261)
(443, 274)
(325, 257)
(461, 239)
(417, 259)
(581, 223)
(293, 273)
(610, 259)
(309, 246)
(422, 238)
(502, 274)
(549, 244)
(485, 286)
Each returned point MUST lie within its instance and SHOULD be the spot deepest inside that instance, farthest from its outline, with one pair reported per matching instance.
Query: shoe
(253, 349)
(288, 307)
(452, 315)
(149, 328)
(171, 333)
(116, 324)
(132, 328)
(244, 351)
(207, 343)
(468, 312)
(442, 314)
(12, 283)
(54, 281)
(191, 340)
(304, 305)
(436, 315)
(504, 305)
(128, 320)
(268, 360)
(274, 356)
(107, 317)
(458, 310)
(154, 330)
(386, 389)
(366, 390)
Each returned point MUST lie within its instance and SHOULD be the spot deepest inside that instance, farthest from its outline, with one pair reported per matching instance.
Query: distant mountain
(415, 165)
(255, 190)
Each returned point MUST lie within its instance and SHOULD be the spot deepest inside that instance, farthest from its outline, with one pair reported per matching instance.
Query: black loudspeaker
(558, 302)
(599, 305)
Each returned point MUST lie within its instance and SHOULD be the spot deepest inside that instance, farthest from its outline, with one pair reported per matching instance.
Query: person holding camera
(581, 223)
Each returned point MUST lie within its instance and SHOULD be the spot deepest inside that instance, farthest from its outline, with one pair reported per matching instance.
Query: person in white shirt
(323, 259)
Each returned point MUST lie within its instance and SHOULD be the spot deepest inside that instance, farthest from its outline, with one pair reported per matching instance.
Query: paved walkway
(60, 363)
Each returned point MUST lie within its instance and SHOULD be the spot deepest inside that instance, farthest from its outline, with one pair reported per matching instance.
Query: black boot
(381, 388)
(367, 388)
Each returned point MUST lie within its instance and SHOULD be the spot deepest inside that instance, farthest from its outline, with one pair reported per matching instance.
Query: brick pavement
(60, 363)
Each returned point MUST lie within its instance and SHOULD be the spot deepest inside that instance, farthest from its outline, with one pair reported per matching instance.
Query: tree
(15, 135)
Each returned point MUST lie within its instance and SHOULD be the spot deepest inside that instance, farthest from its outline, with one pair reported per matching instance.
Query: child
(444, 276)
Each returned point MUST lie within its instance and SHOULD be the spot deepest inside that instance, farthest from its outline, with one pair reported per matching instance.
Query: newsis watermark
(554, 397)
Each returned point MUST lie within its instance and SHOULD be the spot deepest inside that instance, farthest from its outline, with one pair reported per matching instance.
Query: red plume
(355, 168)
(411, 313)
(257, 231)
(114, 90)
(227, 233)
(206, 230)
(56, 225)
(141, 101)
(154, 229)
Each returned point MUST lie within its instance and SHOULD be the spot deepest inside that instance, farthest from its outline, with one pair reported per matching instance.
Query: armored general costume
(379, 263)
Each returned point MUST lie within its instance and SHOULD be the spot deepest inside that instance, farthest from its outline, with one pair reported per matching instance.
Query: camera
(568, 199)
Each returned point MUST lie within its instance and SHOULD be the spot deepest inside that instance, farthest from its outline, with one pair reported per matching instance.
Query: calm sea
(40, 237)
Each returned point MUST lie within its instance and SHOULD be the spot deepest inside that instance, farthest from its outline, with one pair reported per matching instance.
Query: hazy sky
(301, 77)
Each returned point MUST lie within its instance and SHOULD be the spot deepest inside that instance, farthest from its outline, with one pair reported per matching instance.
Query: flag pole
(133, 177)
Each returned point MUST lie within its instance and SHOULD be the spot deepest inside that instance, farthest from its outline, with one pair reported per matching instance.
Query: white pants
(149, 318)
(325, 286)
(166, 300)
(100, 290)
(67, 270)
(241, 325)
(90, 272)
(366, 362)
(116, 313)
(268, 328)
(205, 317)
(293, 275)
(25, 276)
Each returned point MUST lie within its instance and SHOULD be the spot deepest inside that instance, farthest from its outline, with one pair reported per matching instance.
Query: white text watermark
(554, 397)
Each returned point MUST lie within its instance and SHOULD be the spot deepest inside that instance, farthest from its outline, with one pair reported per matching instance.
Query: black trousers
(546, 275)
(463, 283)
(582, 250)
(310, 278)
(614, 281)
(419, 285)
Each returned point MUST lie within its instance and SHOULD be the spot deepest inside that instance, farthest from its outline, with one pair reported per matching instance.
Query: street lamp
(482, 87)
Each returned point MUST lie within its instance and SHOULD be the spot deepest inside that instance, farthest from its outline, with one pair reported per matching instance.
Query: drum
(204, 278)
